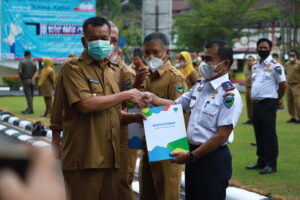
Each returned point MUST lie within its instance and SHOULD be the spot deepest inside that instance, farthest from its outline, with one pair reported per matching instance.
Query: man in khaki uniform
(91, 99)
(160, 180)
(127, 156)
(292, 68)
(247, 73)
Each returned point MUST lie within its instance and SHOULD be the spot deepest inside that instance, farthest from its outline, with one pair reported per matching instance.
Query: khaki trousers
(127, 166)
(159, 180)
(91, 184)
(293, 100)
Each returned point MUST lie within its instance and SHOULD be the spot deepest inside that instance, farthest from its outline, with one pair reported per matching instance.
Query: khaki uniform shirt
(90, 140)
(192, 79)
(167, 82)
(292, 72)
(247, 73)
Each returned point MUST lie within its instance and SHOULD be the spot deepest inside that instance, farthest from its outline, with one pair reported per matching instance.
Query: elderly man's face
(156, 49)
(114, 36)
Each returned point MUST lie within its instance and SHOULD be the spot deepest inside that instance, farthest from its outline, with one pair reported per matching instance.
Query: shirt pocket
(268, 75)
(208, 117)
(96, 89)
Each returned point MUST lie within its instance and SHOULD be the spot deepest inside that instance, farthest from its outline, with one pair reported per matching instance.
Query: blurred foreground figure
(42, 181)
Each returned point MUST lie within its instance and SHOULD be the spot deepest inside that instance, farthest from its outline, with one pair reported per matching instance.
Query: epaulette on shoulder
(74, 66)
(176, 72)
(274, 61)
(228, 86)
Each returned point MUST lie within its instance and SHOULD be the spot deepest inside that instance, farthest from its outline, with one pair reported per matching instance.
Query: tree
(218, 19)
(127, 17)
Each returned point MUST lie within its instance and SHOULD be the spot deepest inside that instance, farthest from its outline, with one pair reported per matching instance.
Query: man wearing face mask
(268, 87)
(126, 76)
(215, 106)
(160, 180)
(292, 68)
(89, 102)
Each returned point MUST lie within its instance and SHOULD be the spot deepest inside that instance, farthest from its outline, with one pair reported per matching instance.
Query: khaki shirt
(192, 78)
(167, 82)
(247, 73)
(292, 72)
(90, 140)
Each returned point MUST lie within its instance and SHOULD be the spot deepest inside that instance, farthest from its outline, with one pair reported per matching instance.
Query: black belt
(193, 147)
(262, 100)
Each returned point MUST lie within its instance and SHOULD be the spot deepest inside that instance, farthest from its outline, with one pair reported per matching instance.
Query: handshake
(141, 99)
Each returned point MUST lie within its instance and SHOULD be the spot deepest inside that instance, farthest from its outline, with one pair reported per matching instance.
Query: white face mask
(177, 65)
(207, 71)
(292, 59)
(182, 64)
(154, 63)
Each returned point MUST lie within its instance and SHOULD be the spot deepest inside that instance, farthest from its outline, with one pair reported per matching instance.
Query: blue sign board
(50, 28)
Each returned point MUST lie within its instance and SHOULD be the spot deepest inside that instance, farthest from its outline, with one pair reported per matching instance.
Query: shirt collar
(268, 59)
(87, 59)
(217, 82)
(164, 68)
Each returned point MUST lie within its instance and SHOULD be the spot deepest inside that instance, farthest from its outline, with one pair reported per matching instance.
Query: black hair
(224, 50)
(275, 55)
(138, 52)
(27, 53)
(95, 21)
(264, 40)
(157, 36)
(294, 51)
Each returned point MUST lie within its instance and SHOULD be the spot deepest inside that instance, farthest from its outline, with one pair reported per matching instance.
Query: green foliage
(218, 19)
(127, 17)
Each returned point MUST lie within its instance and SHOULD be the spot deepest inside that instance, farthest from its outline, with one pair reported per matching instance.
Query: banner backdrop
(50, 28)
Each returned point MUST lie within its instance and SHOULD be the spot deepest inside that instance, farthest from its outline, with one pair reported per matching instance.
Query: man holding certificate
(215, 106)
(160, 180)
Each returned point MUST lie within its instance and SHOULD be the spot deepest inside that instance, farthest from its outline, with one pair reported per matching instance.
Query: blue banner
(50, 28)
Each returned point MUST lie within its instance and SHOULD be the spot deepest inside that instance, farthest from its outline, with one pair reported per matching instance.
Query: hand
(149, 97)
(33, 82)
(180, 158)
(136, 97)
(42, 180)
(141, 75)
(279, 102)
(139, 118)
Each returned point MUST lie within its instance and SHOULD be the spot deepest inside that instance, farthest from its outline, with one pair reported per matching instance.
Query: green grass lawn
(286, 182)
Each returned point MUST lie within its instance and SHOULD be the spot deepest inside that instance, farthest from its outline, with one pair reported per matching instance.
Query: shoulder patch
(128, 85)
(180, 89)
(228, 99)
(278, 70)
(228, 86)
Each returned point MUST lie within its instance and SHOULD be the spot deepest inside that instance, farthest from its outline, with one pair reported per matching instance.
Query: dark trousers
(207, 177)
(28, 91)
(264, 122)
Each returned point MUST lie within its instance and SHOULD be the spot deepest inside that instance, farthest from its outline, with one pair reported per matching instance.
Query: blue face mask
(99, 49)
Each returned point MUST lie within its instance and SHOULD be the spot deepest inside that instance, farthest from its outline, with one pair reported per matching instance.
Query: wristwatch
(190, 156)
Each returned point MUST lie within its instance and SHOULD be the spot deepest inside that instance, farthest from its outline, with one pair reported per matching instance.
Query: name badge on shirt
(268, 70)
(93, 81)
